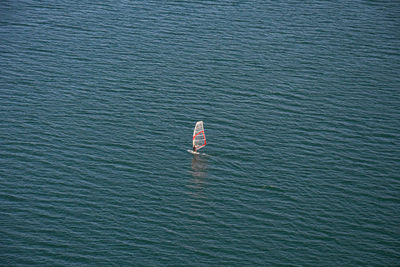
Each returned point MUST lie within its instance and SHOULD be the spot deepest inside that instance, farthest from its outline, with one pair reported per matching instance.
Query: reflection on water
(199, 166)
(197, 201)
(199, 174)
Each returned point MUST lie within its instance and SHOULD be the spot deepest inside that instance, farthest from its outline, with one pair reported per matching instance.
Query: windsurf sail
(199, 138)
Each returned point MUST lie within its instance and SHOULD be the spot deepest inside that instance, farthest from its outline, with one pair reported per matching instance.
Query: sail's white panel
(199, 138)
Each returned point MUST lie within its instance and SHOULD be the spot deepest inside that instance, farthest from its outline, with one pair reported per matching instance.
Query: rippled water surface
(300, 102)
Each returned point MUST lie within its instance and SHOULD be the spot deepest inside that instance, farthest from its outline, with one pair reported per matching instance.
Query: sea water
(300, 103)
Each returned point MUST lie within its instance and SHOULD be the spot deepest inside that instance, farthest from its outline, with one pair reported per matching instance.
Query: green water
(300, 103)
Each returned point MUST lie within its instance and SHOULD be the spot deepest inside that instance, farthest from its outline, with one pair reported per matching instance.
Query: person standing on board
(194, 148)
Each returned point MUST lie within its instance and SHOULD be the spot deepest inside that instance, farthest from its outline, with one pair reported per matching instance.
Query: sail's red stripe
(201, 132)
(198, 134)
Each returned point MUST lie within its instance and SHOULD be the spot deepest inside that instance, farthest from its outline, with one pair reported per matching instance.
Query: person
(194, 148)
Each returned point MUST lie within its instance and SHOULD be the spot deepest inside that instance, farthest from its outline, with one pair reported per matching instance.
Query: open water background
(300, 102)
